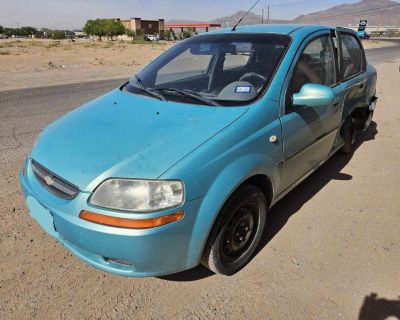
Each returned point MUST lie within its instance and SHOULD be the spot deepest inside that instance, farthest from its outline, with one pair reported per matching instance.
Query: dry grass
(69, 45)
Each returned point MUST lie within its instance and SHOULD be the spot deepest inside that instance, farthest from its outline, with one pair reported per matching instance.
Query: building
(194, 26)
(144, 26)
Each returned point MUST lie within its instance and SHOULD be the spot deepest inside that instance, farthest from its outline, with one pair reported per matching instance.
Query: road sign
(363, 25)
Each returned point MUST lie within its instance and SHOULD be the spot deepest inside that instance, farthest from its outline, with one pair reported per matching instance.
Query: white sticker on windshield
(243, 89)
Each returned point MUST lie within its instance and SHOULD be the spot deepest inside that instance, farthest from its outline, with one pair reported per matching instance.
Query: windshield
(220, 69)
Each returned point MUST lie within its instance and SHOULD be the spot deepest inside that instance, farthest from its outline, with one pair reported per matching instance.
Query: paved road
(329, 246)
(380, 55)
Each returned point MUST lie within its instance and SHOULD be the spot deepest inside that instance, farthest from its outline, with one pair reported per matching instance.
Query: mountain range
(377, 12)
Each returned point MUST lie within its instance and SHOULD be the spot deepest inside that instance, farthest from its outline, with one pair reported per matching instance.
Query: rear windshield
(229, 69)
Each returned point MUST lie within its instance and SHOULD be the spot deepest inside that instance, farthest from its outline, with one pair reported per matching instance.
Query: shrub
(58, 35)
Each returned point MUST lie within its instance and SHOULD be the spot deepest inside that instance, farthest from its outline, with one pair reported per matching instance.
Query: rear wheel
(348, 135)
(237, 231)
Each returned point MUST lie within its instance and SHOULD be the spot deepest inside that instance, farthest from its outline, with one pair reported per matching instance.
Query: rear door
(310, 132)
(353, 72)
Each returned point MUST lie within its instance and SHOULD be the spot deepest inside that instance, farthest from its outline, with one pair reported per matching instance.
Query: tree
(96, 28)
(1, 29)
(130, 33)
(39, 34)
(169, 34)
(186, 34)
(11, 32)
(104, 27)
(114, 28)
(27, 31)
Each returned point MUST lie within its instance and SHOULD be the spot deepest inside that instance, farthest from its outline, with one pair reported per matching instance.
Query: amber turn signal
(131, 223)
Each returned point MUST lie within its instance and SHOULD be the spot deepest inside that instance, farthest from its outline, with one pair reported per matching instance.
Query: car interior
(257, 70)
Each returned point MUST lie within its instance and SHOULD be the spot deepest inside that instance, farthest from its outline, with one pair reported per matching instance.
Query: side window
(315, 65)
(352, 56)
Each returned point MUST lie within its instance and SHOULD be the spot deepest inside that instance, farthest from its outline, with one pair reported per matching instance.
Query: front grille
(54, 183)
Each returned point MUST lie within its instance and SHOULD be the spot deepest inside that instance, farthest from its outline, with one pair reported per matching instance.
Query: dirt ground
(331, 249)
(39, 63)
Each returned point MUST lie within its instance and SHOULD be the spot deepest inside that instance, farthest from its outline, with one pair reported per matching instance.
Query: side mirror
(314, 95)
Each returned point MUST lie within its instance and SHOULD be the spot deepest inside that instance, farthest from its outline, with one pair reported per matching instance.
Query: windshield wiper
(190, 94)
(150, 92)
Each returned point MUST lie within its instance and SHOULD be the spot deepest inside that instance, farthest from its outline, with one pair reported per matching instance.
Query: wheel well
(264, 183)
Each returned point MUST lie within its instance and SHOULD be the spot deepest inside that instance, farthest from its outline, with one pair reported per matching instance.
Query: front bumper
(135, 253)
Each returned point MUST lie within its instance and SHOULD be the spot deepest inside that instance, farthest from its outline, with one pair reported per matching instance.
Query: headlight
(138, 195)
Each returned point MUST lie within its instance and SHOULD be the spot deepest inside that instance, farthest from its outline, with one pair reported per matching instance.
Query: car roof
(286, 29)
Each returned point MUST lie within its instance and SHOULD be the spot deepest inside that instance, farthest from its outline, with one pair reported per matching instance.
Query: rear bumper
(370, 113)
(134, 253)
(372, 104)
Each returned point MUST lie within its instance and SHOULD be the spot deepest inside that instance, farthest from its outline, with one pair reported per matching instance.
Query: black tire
(348, 135)
(237, 231)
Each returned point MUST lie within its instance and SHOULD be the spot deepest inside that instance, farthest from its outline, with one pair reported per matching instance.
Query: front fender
(216, 169)
(222, 188)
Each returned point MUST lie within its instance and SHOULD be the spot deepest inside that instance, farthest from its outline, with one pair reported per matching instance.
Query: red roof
(193, 25)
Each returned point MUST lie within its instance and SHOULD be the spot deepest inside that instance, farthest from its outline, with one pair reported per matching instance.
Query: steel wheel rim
(240, 231)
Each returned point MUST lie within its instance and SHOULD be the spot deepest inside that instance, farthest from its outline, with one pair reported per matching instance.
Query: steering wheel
(252, 75)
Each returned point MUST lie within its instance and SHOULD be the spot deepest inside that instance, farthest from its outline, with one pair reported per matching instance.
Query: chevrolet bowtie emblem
(49, 180)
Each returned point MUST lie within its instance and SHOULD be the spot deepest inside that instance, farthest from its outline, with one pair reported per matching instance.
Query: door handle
(336, 102)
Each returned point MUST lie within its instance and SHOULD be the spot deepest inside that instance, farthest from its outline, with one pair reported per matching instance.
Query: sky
(72, 14)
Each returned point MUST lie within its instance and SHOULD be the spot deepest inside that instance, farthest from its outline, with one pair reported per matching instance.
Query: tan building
(145, 26)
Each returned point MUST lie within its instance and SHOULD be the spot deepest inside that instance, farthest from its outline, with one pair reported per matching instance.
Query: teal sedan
(182, 163)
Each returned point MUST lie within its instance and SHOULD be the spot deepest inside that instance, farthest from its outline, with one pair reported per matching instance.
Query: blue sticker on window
(243, 89)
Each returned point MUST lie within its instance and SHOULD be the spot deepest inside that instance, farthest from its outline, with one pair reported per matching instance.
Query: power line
(397, 5)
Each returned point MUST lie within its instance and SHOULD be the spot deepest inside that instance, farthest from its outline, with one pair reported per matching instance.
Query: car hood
(126, 135)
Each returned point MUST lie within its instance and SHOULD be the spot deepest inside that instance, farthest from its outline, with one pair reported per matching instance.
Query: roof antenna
(241, 19)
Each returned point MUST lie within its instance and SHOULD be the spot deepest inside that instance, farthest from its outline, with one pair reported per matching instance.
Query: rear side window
(352, 56)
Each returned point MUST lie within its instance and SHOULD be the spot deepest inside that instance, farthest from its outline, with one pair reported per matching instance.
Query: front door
(310, 132)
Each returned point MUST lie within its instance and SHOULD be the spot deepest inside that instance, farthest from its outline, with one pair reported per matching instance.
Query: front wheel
(237, 231)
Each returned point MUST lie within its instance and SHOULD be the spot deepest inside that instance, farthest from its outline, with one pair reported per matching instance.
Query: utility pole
(268, 14)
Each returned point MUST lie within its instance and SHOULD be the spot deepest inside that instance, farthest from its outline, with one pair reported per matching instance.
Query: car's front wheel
(236, 232)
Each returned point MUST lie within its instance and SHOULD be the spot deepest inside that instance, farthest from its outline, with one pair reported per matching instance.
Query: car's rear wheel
(348, 134)
(237, 231)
